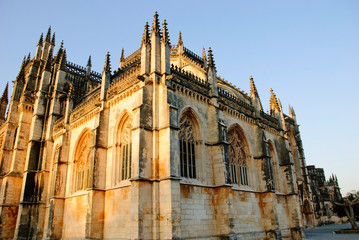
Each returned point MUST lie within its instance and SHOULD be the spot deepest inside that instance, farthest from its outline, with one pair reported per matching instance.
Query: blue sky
(307, 51)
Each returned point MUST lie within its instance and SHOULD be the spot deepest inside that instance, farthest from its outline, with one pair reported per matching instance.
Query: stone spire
(146, 35)
(253, 86)
(41, 40)
(180, 41)
(292, 113)
(165, 35)
(48, 63)
(155, 24)
(53, 39)
(63, 61)
(107, 66)
(48, 35)
(59, 52)
(210, 58)
(273, 103)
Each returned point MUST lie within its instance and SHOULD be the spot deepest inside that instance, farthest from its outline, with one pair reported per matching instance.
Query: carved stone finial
(253, 86)
(155, 24)
(165, 36)
(107, 66)
(59, 53)
(146, 35)
(48, 35)
(28, 58)
(204, 57)
(180, 41)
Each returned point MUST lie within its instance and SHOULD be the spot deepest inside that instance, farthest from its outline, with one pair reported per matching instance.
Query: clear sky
(307, 51)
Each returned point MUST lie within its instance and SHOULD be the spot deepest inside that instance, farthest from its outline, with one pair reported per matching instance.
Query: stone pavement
(326, 233)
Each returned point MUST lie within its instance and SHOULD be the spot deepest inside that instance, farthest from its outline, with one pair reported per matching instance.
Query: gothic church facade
(161, 148)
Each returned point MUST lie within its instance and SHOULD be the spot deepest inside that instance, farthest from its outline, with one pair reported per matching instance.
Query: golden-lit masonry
(161, 148)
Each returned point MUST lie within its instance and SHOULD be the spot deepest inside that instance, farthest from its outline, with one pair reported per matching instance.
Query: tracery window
(187, 148)
(81, 163)
(237, 158)
(126, 152)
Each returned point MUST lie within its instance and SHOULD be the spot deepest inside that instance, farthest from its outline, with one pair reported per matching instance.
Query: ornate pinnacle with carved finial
(89, 64)
(107, 66)
(155, 24)
(180, 41)
(41, 40)
(122, 55)
(53, 39)
(253, 86)
(210, 58)
(28, 58)
(48, 35)
(146, 35)
(4, 96)
(165, 36)
(63, 60)
(273, 103)
(204, 57)
(48, 63)
(59, 53)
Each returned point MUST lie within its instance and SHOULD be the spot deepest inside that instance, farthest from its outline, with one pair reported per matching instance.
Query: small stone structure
(161, 148)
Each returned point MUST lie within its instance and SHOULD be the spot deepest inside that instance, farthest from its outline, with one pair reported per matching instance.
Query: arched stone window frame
(189, 140)
(123, 155)
(81, 163)
(239, 156)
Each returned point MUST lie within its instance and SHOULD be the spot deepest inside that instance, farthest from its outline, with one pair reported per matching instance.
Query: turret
(165, 50)
(106, 77)
(145, 51)
(39, 48)
(255, 97)
(156, 45)
(3, 103)
(212, 74)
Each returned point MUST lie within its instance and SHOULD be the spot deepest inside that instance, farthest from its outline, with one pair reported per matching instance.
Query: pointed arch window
(81, 163)
(237, 159)
(187, 148)
(125, 152)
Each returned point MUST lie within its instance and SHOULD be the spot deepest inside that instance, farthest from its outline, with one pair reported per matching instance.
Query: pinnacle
(210, 58)
(4, 96)
(89, 64)
(165, 37)
(155, 24)
(122, 55)
(180, 41)
(59, 52)
(48, 35)
(63, 60)
(48, 63)
(146, 35)
(41, 40)
(273, 103)
(53, 39)
(28, 58)
(204, 57)
(107, 66)
(253, 86)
